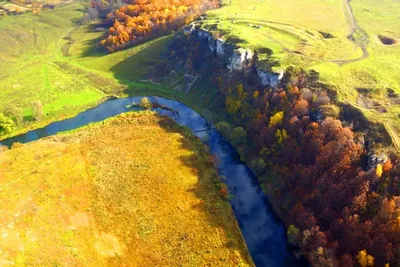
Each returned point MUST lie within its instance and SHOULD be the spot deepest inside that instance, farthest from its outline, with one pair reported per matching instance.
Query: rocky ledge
(235, 58)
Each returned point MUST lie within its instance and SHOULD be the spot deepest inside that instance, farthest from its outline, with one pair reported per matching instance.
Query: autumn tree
(364, 259)
(276, 119)
(238, 136)
(140, 20)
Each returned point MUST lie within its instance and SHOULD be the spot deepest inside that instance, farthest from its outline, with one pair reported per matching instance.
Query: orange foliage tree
(144, 19)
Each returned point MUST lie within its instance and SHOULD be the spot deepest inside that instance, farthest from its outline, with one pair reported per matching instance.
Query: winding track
(357, 35)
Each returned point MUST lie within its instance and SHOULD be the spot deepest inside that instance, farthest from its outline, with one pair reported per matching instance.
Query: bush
(15, 113)
(6, 124)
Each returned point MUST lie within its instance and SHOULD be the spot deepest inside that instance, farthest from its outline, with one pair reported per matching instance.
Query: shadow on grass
(140, 61)
(213, 205)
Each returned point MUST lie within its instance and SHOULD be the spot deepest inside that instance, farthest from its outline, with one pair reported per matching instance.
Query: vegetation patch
(113, 194)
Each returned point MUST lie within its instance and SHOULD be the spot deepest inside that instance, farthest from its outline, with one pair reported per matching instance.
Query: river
(263, 232)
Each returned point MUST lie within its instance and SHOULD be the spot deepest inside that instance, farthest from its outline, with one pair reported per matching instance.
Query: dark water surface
(263, 232)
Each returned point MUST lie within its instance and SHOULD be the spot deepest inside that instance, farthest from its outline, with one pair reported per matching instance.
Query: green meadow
(313, 34)
(37, 65)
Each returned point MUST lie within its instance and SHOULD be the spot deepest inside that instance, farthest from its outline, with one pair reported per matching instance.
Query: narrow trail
(357, 35)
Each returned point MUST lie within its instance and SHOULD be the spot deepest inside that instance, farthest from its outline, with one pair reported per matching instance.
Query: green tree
(6, 124)
(238, 136)
(37, 110)
(15, 113)
(224, 128)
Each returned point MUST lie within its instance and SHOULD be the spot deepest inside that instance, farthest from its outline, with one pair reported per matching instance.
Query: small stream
(263, 232)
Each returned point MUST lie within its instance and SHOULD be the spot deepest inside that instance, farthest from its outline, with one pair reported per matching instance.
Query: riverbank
(116, 204)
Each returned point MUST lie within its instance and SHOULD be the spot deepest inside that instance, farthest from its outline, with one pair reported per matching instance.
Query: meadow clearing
(314, 34)
(161, 207)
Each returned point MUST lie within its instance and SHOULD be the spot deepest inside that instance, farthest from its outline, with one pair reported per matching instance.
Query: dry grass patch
(136, 190)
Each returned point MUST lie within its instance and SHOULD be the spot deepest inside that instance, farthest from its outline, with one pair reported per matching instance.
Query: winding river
(264, 234)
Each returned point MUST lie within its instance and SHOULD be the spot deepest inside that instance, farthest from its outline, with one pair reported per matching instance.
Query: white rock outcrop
(237, 59)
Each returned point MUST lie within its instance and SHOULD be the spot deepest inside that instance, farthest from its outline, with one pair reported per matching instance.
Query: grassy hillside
(29, 56)
(313, 34)
(36, 65)
(48, 57)
(122, 198)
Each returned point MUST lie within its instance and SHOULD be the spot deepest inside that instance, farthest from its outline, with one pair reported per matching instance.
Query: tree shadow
(213, 205)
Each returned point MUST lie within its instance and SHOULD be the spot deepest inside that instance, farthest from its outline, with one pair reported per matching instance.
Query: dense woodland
(139, 20)
(341, 206)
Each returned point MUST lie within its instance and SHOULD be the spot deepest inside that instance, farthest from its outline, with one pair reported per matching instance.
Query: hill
(354, 45)
(117, 201)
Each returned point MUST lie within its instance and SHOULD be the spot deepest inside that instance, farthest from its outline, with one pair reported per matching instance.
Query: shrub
(16, 145)
(6, 124)
(37, 110)
(15, 113)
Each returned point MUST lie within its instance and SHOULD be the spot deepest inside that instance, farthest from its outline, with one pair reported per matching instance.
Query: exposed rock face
(220, 47)
(235, 59)
(239, 59)
(374, 159)
(268, 78)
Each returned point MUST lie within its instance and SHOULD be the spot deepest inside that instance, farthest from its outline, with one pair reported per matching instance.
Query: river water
(263, 233)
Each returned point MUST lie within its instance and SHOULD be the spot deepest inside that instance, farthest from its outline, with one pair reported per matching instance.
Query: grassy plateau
(313, 34)
(122, 198)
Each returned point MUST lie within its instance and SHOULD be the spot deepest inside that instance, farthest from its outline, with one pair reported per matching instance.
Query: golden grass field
(135, 190)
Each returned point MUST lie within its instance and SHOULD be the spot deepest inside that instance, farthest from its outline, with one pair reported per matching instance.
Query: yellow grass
(135, 190)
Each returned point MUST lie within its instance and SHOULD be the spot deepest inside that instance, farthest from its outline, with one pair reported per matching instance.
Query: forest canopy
(143, 19)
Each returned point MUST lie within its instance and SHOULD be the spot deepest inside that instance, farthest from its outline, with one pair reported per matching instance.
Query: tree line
(338, 209)
(141, 20)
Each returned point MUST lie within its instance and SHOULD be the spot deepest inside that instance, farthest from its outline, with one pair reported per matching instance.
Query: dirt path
(357, 35)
